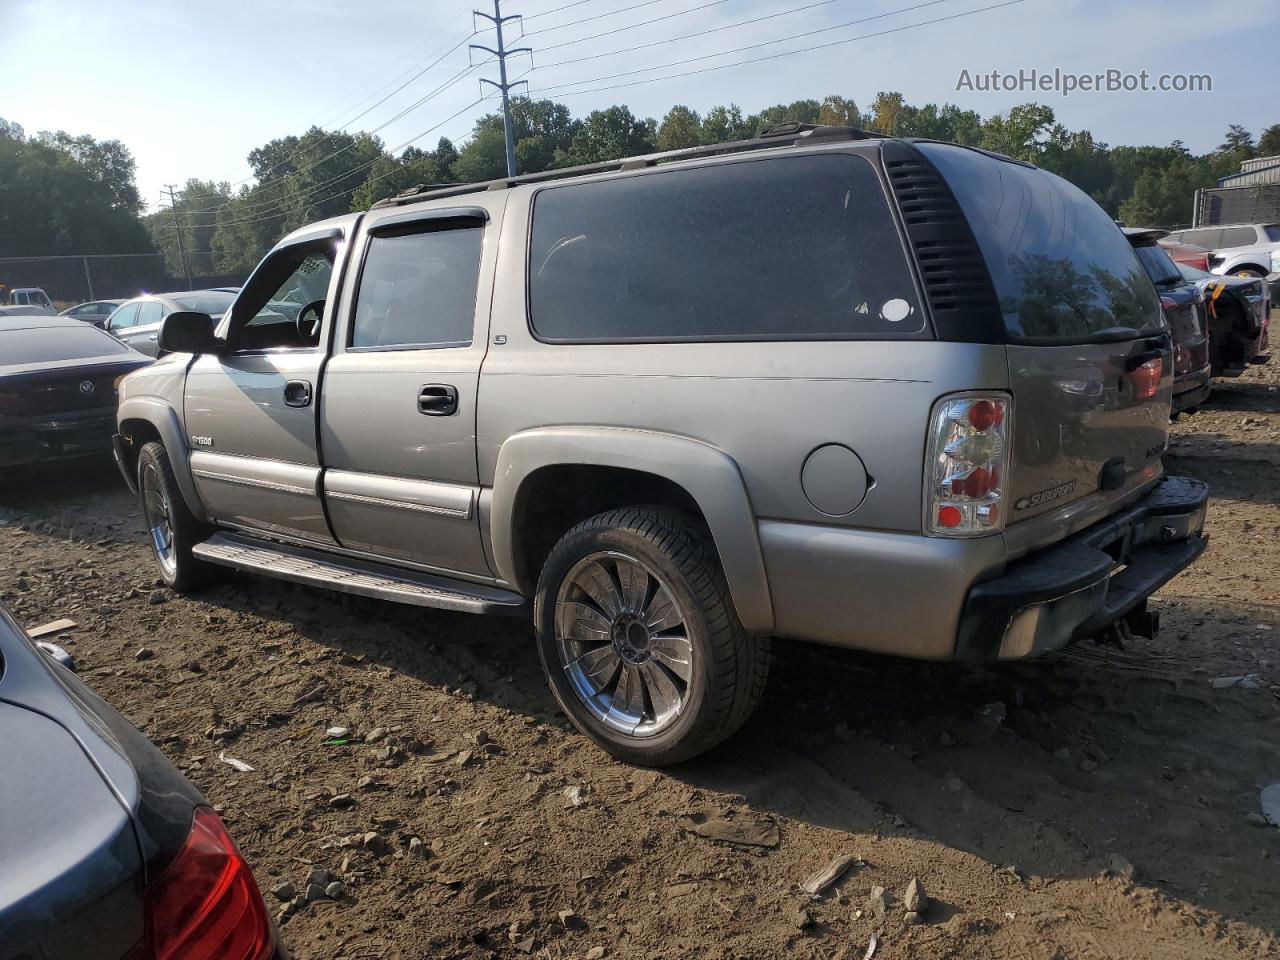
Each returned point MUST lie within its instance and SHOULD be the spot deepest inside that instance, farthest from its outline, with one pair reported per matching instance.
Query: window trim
(441, 220)
(924, 332)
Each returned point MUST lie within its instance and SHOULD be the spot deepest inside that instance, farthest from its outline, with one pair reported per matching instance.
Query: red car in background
(1187, 253)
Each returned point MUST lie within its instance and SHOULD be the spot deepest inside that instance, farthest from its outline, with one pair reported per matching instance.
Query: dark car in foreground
(1184, 309)
(1239, 311)
(108, 853)
(137, 322)
(58, 379)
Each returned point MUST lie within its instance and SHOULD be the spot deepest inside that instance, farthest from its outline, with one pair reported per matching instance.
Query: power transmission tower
(177, 226)
(497, 19)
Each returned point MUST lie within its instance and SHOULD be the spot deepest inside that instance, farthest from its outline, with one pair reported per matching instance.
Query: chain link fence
(106, 276)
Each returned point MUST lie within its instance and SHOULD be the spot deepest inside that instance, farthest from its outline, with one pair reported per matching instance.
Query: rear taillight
(1146, 379)
(967, 466)
(206, 905)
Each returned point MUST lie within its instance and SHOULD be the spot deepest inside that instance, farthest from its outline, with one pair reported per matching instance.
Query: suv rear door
(398, 405)
(1090, 358)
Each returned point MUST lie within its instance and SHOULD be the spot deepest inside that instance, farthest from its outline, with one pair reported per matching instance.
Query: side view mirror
(186, 331)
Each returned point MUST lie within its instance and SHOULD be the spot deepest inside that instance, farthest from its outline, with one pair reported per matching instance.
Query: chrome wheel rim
(159, 516)
(623, 642)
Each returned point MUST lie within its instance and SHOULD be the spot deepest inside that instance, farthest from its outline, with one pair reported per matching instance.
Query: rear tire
(640, 640)
(171, 526)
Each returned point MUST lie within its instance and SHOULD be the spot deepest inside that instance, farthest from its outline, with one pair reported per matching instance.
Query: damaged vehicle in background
(1239, 310)
(108, 852)
(1184, 309)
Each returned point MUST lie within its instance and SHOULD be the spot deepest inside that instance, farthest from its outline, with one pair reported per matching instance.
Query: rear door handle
(297, 393)
(438, 400)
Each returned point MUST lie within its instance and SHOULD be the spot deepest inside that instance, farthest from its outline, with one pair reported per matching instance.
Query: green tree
(725, 125)
(800, 111)
(608, 135)
(680, 128)
(838, 111)
(1020, 132)
(1269, 142)
(887, 111)
(66, 195)
(542, 130)
(1238, 142)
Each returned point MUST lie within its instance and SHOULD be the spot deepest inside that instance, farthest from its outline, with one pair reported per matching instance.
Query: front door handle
(297, 393)
(438, 400)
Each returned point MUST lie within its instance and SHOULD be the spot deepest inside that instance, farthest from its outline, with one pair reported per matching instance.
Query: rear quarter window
(1062, 269)
(767, 249)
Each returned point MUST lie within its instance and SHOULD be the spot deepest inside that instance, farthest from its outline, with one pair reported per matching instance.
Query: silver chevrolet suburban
(903, 396)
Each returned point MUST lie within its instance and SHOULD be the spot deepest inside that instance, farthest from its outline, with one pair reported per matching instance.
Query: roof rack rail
(774, 136)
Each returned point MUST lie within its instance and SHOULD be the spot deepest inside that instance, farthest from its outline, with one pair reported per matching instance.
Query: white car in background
(1240, 250)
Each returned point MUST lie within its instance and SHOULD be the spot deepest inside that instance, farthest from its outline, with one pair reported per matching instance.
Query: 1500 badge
(1044, 496)
(201, 441)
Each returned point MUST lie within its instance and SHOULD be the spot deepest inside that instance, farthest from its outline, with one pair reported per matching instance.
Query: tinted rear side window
(1062, 269)
(778, 249)
(1158, 264)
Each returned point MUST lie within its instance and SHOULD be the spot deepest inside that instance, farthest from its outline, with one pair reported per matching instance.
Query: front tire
(171, 526)
(640, 640)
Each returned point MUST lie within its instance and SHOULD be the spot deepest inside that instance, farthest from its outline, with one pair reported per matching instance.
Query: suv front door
(398, 408)
(251, 409)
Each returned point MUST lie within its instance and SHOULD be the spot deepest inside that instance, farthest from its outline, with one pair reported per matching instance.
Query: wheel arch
(655, 468)
(145, 419)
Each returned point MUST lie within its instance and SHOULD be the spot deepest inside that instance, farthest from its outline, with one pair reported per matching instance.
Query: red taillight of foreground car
(1146, 379)
(206, 905)
(968, 461)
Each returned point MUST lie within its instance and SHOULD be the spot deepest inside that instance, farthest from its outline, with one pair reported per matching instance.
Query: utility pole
(497, 19)
(177, 226)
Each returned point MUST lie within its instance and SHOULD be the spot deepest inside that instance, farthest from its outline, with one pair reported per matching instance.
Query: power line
(636, 26)
(381, 176)
(598, 16)
(576, 3)
(560, 92)
(722, 53)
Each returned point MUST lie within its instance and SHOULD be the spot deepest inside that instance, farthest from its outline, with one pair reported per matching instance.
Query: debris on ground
(871, 946)
(233, 762)
(54, 626)
(915, 900)
(819, 881)
(1249, 681)
(743, 831)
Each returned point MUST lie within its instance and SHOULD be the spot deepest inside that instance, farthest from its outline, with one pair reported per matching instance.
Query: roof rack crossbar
(775, 136)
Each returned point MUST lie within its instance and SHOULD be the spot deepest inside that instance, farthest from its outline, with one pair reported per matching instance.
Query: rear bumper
(1192, 390)
(1083, 585)
(41, 439)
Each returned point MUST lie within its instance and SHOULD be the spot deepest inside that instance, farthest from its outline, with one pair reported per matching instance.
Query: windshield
(1195, 273)
(51, 344)
(1158, 264)
(1062, 269)
(212, 302)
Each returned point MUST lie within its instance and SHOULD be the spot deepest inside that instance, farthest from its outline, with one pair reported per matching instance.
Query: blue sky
(192, 87)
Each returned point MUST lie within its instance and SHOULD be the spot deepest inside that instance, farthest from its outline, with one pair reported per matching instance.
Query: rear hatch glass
(1090, 360)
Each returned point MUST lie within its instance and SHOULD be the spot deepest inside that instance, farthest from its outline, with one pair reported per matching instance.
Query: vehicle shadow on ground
(1243, 397)
(1051, 766)
(1227, 476)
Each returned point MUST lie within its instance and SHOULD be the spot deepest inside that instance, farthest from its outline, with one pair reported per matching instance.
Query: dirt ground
(464, 818)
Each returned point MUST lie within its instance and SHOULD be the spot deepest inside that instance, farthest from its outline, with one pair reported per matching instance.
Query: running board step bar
(349, 575)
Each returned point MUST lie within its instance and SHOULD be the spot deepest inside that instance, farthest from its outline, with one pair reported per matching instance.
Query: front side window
(1062, 269)
(788, 248)
(283, 305)
(418, 289)
(125, 317)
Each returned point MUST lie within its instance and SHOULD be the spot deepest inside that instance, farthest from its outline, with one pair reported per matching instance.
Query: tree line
(64, 194)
